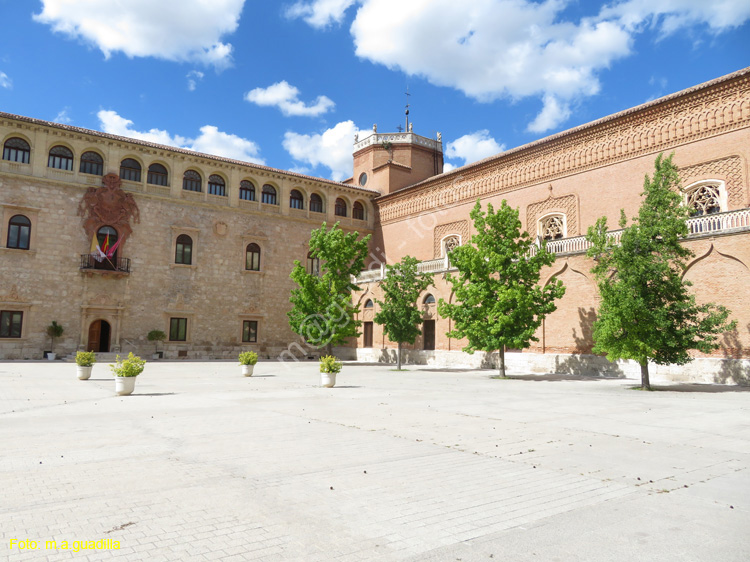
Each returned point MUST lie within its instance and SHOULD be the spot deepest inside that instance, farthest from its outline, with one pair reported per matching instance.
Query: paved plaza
(431, 464)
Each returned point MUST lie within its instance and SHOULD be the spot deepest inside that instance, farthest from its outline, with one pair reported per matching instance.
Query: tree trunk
(329, 349)
(398, 360)
(502, 361)
(645, 383)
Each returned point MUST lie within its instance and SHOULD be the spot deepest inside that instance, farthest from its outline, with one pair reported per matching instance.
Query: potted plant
(125, 373)
(329, 366)
(156, 336)
(85, 361)
(54, 330)
(248, 359)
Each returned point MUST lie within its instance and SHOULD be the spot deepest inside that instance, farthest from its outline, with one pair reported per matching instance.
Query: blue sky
(288, 84)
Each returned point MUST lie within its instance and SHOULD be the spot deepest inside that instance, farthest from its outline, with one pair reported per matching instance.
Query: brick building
(561, 185)
(208, 243)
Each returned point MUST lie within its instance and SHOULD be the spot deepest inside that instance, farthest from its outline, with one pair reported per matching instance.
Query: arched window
(60, 158)
(106, 236)
(369, 304)
(295, 200)
(183, 253)
(316, 203)
(252, 257)
(247, 190)
(216, 185)
(313, 265)
(130, 170)
(17, 150)
(19, 232)
(428, 299)
(450, 243)
(340, 208)
(269, 195)
(157, 175)
(704, 200)
(91, 163)
(358, 211)
(192, 181)
(552, 227)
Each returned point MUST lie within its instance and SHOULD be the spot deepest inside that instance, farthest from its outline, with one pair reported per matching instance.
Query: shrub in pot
(125, 372)
(85, 361)
(329, 367)
(54, 330)
(156, 336)
(248, 359)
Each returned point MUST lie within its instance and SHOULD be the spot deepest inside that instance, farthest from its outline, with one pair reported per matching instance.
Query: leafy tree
(646, 312)
(499, 302)
(399, 313)
(322, 313)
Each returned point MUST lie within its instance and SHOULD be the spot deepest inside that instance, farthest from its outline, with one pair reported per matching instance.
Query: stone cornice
(702, 111)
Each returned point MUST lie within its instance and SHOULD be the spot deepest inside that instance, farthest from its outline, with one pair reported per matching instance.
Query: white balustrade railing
(697, 226)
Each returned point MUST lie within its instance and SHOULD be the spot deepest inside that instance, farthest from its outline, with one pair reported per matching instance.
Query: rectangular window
(11, 322)
(368, 334)
(177, 329)
(250, 331)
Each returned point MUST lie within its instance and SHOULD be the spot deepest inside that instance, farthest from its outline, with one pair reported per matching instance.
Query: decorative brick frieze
(697, 113)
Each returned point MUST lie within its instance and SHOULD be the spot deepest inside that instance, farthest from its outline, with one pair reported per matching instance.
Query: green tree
(498, 300)
(646, 312)
(322, 313)
(399, 313)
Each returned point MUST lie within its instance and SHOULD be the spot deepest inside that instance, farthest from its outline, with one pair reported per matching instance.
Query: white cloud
(672, 15)
(473, 147)
(286, 97)
(63, 117)
(210, 140)
(332, 148)
(193, 77)
(177, 30)
(5, 82)
(492, 49)
(554, 112)
(320, 13)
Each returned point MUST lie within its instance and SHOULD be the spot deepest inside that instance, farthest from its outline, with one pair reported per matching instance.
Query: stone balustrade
(729, 222)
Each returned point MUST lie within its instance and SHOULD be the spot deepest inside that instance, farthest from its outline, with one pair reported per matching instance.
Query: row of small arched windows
(61, 158)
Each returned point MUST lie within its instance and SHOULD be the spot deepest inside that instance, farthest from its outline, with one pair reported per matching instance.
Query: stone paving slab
(204, 464)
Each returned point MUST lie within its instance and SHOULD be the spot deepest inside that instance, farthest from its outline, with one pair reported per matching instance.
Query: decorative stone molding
(703, 111)
(566, 205)
(459, 228)
(729, 169)
(108, 205)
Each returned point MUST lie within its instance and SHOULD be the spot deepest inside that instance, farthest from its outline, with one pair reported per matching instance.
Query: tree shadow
(700, 387)
(734, 369)
(583, 362)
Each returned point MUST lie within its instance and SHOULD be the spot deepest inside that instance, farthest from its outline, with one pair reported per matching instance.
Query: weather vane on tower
(408, 95)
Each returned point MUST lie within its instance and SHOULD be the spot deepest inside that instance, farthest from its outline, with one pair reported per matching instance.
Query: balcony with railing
(113, 266)
(706, 225)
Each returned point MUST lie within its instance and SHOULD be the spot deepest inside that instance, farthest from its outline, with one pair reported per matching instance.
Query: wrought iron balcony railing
(117, 265)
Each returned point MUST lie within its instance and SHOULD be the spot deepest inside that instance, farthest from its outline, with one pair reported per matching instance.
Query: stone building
(207, 243)
(199, 246)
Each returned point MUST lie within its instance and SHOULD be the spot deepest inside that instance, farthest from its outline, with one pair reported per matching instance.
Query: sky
(289, 83)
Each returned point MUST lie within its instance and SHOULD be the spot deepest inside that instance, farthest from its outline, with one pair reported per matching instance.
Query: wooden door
(95, 331)
(428, 334)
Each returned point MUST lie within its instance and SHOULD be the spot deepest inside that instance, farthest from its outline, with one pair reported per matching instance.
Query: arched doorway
(99, 335)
